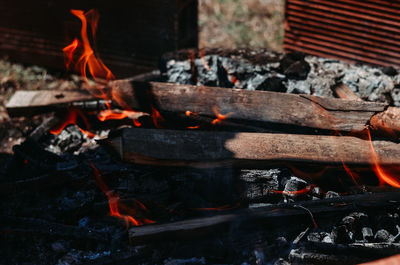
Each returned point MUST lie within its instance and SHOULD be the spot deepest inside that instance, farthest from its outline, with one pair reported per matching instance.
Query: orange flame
(383, 175)
(113, 115)
(71, 118)
(220, 117)
(69, 52)
(88, 59)
(115, 205)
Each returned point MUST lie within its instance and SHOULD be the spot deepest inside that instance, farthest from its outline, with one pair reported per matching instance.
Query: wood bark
(209, 149)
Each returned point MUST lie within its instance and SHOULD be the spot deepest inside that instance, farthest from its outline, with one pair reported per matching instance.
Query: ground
(241, 23)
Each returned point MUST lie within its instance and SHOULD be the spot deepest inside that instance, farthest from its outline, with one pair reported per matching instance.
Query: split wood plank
(268, 216)
(209, 149)
(30, 102)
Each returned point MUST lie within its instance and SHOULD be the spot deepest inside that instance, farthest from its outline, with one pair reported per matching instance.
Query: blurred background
(241, 23)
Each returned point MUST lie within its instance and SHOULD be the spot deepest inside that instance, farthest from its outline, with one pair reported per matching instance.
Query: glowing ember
(220, 117)
(388, 176)
(115, 205)
(296, 192)
(189, 113)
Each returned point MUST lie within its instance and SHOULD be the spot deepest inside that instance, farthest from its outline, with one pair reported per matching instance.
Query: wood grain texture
(260, 106)
(28, 102)
(208, 149)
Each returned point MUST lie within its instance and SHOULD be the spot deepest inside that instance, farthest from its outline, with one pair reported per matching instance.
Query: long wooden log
(206, 149)
(268, 216)
(260, 106)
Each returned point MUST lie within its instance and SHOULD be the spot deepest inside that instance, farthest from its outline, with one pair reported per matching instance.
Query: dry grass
(241, 23)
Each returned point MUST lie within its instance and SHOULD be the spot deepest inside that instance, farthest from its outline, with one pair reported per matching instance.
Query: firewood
(268, 216)
(209, 149)
(261, 106)
(343, 91)
(30, 102)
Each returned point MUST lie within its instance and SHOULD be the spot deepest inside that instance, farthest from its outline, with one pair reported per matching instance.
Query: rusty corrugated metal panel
(353, 30)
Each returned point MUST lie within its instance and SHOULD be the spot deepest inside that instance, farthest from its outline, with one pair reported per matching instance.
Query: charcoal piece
(60, 246)
(331, 194)
(272, 84)
(293, 185)
(382, 236)
(281, 261)
(389, 70)
(388, 222)
(191, 261)
(258, 183)
(367, 233)
(289, 58)
(320, 237)
(223, 78)
(340, 235)
(294, 66)
(354, 221)
(298, 70)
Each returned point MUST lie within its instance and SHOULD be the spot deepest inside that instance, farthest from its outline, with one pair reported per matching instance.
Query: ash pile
(290, 73)
(69, 199)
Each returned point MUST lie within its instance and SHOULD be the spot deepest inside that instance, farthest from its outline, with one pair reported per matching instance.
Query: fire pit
(245, 157)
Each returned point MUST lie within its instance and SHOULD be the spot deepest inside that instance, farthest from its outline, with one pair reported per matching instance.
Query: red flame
(384, 176)
(220, 117)
(115, 205)
(296, 192)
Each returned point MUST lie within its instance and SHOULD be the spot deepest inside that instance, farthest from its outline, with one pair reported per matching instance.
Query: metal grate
(365, 31)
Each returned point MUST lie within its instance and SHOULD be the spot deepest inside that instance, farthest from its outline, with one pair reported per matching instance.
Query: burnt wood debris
(226, 176)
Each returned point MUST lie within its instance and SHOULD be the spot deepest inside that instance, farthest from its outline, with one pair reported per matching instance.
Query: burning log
(269, 216)
(208, 149)
(258, 106)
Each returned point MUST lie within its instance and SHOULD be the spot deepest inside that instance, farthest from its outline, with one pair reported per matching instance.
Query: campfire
(245, 157)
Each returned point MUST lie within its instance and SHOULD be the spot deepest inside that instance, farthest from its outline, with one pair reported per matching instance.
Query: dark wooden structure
(352, 30)
(131, 34)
